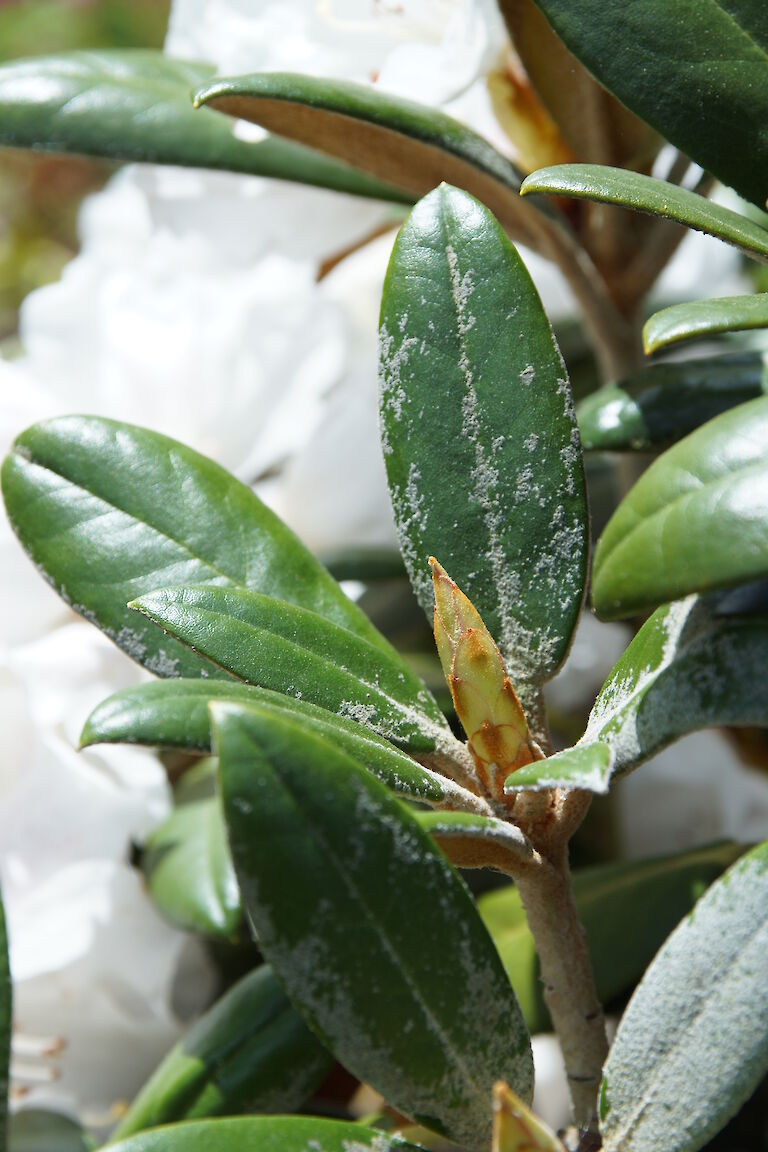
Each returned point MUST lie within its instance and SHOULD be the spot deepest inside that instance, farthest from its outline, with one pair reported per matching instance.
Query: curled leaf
(485, 701)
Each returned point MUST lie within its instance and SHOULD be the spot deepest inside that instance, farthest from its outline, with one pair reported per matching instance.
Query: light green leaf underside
(408, 145)
(109, 511)
(657, 197)
(264, 1134)
(376, 939)
(665, 402)
(250, 1052)
(189, 871)
(696, 663)
(627, 910)
(696, 520)
(174, 714)
(137, 105)
(279, 646)
(480, 440)
(701, 318)
(693, 1043)
(692, 69)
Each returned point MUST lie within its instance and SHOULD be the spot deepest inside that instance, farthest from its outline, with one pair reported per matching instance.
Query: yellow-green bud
(483, 696)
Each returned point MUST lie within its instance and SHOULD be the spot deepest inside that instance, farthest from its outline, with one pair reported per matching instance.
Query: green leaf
(583, 766)
(250, 1052)
(627, 910)
(109, 511)
(696, 520)
(174, 713)
(375, 937)
(591, 122)
(693, 1043)
(37, 1130)
(465, 837)
(293, 650)
(189, 871)
(700, 318)
(480, 439)
(657, 197)
(697, 663)
(264, 1134)
(409, 145)
(6, 1022)
(667, 401)
(137, 105)
(693, 69)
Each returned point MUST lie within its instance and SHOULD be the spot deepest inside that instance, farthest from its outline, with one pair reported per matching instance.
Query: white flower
(93, 964)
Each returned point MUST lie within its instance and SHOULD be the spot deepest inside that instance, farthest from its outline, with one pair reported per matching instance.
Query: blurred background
(40, 195)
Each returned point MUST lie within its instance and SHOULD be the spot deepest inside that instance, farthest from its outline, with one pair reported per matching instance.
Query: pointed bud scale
(483, 696)
(516, 1128)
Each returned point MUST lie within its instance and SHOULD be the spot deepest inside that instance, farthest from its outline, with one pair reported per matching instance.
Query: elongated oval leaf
(137, 105)
(108, 511)
(696, 520)
(583, 766)
(627, 909)
(693, 1043)
(250, 1052)
(409, 145)
(704, 318)
(264, 1134)
(189, 871)
(667, 401)
(647, 194)
(480, 439)
(695, 71)
(6, 1022)
(374, 936)
(293, 650)
(174, 713)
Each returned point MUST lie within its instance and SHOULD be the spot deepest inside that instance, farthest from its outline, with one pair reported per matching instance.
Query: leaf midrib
(313, 832)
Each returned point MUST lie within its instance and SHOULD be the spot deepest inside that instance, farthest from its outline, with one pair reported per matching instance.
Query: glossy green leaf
(174, 713)
(409, 145)
(627, 910)
(137, 105)
(700, 318)
(375, 937)
(189, 871)
(693, 69)
(279, 646)
(6, 1022)
(108, 511)
(665, 402)
(37, 1130)
(693, 1043)
(479, 434)
(264, 1134)
(583, 766)
(250, 1052)
(696, 520)
(461, 834)
(697, 663)
(657, 197)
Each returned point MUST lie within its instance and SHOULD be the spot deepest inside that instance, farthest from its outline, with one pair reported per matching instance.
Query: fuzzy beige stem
(569, 987)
